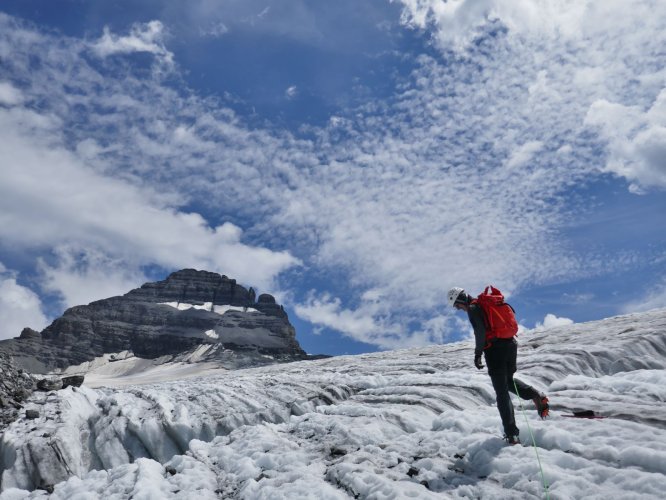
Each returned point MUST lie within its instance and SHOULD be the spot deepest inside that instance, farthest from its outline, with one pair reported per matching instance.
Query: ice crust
(418, 423)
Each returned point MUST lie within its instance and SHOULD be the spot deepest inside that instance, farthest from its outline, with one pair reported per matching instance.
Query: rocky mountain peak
(188, 309)
(192, 286)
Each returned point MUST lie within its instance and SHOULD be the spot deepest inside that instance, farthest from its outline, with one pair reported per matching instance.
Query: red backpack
(499, 316)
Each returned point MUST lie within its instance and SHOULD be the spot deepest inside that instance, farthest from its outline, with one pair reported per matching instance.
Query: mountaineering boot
(541, 403)
(512, 440)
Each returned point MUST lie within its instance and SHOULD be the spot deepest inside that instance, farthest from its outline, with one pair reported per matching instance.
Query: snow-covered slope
(417, 423)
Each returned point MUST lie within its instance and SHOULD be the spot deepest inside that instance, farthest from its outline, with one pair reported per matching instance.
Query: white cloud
(552, 321)
(144, 37)
(578, 298)
(214, 30)
(327, 311)
(9, 95)
(369, 322)
(614, 60)
(456, 22)
(405, 197)
(654, 298)
(637, 140)
(378, 203)
(291, 92)
(264, 12)
(79, 205)
(80, 276)
(72, 202)
(20, 307)
(378, 321)
(524, 154)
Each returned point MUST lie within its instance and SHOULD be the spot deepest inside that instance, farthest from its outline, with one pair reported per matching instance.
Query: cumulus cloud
(328, 311)
(457, 22)
(524, 153)
(654, 298)
(379, 321)
(143, 37)
(80, 205)
(80, 276)
(10, 95)
(552, 321)
(636, 138)
(20, 307)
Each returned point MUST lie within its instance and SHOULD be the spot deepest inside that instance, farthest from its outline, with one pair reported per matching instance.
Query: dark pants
(501, 362)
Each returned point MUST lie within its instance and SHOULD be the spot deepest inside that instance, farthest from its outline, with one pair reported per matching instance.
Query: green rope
(543, 478)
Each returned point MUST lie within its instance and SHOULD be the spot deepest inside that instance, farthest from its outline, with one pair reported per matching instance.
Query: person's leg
(524, 391)
(521, 389)
(496, 360)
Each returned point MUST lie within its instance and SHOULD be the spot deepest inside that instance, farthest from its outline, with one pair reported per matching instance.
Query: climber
(495, 329)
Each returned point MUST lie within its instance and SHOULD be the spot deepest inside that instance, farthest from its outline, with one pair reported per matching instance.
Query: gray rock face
(29, 333)
(49, 384)
(15, 387)
(161, 318)
(193, 287)
(73, 381)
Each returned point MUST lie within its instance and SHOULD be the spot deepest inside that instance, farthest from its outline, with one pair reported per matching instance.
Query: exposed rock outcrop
(167, 317)
(15, 387)
(73, 381)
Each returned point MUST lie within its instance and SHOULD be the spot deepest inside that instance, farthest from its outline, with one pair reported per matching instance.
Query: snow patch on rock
(212, 334)
(208, 306)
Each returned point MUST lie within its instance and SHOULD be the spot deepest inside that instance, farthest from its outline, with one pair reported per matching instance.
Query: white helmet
(453, 294)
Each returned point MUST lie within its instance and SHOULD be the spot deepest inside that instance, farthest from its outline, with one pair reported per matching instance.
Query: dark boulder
(73, 381)
(49, 384)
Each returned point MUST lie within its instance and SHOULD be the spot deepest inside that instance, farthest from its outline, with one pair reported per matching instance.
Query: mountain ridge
(188, 309)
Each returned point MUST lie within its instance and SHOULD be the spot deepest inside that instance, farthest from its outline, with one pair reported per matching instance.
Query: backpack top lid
(491, 295)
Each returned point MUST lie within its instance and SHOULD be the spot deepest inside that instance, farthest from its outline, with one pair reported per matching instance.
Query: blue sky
(355, 159)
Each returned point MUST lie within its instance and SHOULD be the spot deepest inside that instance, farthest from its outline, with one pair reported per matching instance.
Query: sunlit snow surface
(417, 423)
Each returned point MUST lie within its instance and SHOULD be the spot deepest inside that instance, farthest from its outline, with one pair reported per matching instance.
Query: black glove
(477, 361)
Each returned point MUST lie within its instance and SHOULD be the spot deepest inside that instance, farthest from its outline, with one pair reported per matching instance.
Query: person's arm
(475, 314)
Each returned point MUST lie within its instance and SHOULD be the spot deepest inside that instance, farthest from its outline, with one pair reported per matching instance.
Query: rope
(543, 478)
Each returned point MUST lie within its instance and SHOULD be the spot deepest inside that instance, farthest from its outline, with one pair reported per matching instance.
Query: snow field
(417, 423)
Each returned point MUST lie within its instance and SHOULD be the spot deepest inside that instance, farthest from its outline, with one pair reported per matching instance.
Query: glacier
(415, 423)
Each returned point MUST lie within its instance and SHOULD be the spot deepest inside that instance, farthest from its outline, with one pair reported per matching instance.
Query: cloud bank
(465, 177)
(637, 140)
(611, 50)
(653, 299)
(61, 197)
(20, 307)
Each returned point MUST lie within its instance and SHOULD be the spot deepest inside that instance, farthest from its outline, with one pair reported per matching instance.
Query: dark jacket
(475, 314)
